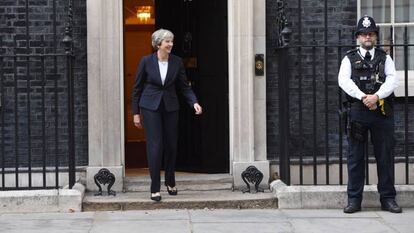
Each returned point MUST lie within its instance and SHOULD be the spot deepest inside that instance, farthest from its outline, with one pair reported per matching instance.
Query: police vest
(367, 75)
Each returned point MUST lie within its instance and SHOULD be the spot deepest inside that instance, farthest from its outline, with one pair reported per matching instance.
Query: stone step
(192, 182)
(216, 199)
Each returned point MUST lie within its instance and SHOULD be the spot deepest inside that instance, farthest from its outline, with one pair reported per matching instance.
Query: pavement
(210, 221)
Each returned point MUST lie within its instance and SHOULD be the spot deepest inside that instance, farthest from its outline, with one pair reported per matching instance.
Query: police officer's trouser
(381, 129)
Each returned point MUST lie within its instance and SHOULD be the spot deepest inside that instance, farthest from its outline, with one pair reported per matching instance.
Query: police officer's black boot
(390, 205)
(352, 207)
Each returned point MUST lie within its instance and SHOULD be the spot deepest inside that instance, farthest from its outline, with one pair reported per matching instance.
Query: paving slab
(339, 225)
(210, 221)
(400, 222)
(242, 227)
(229, 216)
(144, 226)
(46, 225)
(326, 213)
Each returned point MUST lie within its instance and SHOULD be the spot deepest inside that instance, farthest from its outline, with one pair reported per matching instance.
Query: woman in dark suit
(155, 105)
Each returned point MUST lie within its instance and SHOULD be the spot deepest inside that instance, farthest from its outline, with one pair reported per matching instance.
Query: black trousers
(381, 129)
(161, 132)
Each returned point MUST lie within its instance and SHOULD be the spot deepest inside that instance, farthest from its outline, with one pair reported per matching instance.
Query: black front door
(200, 29)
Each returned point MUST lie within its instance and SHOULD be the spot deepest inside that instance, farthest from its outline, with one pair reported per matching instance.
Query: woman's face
(166, 45)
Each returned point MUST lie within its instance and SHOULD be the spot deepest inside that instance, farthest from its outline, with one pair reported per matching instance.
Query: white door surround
(247, 92)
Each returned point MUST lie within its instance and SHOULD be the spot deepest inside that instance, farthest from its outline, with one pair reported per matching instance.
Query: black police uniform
(368, 76)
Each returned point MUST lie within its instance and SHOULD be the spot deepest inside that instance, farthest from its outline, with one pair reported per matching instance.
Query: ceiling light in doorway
(144, 13)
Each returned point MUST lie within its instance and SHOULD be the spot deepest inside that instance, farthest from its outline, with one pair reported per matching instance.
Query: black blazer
(148, 89)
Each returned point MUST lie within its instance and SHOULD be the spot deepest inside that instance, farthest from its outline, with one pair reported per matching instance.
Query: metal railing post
(68, 42)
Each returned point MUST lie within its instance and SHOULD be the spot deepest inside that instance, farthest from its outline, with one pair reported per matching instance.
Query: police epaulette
(351, 51)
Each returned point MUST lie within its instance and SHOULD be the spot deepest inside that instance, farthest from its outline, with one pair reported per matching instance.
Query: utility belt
(355, 129)
(358, 105)
(384, 106)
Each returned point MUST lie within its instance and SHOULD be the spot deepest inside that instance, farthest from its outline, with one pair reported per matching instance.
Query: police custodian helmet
(366, 24)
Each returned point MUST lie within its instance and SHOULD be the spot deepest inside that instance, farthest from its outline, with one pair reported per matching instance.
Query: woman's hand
(198, 109)
(137, 121)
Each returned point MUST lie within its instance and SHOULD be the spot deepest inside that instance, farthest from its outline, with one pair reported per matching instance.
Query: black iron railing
(311, 131)
(37, 109)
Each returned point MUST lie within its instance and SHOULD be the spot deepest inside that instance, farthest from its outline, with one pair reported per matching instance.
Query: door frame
(247, 105)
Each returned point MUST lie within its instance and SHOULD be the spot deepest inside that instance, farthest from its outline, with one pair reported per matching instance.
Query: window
(396, 14)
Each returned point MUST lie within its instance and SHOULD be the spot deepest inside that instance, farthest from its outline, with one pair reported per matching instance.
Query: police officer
(367, 75)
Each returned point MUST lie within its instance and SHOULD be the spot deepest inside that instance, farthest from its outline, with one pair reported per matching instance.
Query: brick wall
(38, 78)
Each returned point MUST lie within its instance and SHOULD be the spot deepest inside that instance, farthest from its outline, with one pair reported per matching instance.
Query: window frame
(400, 90)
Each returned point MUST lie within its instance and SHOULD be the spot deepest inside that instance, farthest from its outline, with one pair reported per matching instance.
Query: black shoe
(172, 191)
(352, 208)
(156, 197)
(390, 205)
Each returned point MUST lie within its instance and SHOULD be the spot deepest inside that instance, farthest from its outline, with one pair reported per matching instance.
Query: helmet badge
(366, 23)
